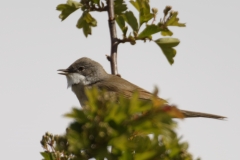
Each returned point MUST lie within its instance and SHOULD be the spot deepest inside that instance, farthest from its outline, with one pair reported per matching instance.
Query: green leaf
(119, 7)
(90, 20)
(138, 4)
(166, 32)
(86, 21)
(87, 29)
(131, 20)
(173, 20)
(167, 44)
(143, 8)
(145, 16)
(120, 22)
(149, 31)
(48, 155)
(135, 4)
(78, 115)
(68, 8)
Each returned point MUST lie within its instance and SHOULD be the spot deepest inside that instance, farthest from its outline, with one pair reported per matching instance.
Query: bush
(127, 130)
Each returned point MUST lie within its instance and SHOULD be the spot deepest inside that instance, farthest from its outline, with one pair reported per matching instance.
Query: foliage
(126, 18)
(127, 130)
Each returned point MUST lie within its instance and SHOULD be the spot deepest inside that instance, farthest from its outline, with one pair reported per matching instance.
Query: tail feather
(191, 114)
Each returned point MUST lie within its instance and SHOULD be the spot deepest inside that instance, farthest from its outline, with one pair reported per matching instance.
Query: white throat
(76, 78)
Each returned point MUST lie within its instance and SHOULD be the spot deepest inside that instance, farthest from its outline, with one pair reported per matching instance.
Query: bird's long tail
(191, 114)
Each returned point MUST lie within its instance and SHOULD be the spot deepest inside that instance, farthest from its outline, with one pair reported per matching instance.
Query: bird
(87, 73)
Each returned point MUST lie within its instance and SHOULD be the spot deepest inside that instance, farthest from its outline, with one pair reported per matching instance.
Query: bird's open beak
(63, 71)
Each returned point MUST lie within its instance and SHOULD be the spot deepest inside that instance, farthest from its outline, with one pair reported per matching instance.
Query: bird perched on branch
(85, 72)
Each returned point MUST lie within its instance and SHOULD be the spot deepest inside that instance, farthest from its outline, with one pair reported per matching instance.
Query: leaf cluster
(127, 130)
(145, 15)
(126, 18)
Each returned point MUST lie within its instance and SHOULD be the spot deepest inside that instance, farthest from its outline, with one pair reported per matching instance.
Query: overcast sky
(34, 43)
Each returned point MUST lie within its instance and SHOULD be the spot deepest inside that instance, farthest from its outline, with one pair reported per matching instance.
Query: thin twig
(132, 41)
(113, 36)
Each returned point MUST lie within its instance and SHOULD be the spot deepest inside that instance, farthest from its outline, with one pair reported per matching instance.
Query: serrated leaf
(68, 8)
(138, 4)
(87, 29)
(143, 8)
(144, 16)
(167, 44)
(131, 20)
(86, 21)
(174, 21)
(119, 7)
(149, 31)
(90, 20)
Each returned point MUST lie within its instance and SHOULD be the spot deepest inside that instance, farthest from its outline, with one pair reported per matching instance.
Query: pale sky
(205, 76)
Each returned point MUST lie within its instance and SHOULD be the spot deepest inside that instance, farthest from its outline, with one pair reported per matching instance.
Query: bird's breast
(79, 91)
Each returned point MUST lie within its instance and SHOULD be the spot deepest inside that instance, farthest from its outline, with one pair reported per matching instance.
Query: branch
(113, 35)
(132, 41)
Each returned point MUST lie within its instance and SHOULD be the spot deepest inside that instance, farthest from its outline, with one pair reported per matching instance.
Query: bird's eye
(81, 68)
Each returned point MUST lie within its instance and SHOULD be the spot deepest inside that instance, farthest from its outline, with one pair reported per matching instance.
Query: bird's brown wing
(117, 86)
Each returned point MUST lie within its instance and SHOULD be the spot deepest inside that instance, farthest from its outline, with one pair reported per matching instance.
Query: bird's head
(84, 71)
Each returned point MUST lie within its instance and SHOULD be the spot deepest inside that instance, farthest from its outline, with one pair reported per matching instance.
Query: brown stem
(132, 41)
(113, 36)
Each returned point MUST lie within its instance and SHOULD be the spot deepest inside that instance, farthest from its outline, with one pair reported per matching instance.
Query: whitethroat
(86, 73)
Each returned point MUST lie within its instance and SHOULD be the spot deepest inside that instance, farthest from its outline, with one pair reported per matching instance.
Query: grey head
(84, 71)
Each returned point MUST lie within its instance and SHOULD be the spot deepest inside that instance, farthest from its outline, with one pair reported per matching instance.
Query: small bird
(86, 73)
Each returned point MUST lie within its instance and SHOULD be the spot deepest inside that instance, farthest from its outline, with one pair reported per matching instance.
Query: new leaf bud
(154, 10)
(173, 13)
(166, 10)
